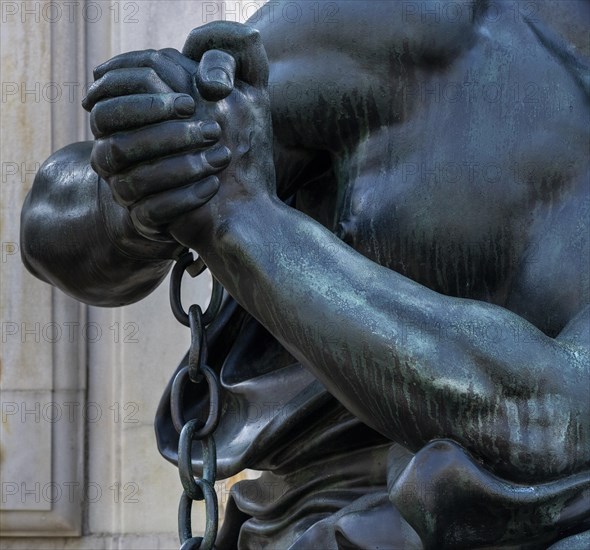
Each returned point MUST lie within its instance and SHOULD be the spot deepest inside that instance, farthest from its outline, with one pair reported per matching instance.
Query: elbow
(56, 187)
(38, 219)
(32, 229)
(64, 241)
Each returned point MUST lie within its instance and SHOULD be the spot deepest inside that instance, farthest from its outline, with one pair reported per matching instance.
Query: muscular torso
(454, 154)
(467, 173)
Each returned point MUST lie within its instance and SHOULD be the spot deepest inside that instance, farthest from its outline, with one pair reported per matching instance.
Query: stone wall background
(80, 385)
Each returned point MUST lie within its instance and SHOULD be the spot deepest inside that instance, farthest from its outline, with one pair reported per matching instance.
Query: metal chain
(197, 372)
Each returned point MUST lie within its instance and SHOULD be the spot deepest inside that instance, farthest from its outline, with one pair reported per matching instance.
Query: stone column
(80, 385)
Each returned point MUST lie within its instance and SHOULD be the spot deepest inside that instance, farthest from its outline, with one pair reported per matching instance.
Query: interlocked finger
(181, 60)
(124, 150)
(120, 82)
(175, 72)
(134, 111)
(152, 178)
(157, 211)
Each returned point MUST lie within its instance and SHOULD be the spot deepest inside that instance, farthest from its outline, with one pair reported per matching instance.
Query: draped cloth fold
(452, 501)
(331, 482)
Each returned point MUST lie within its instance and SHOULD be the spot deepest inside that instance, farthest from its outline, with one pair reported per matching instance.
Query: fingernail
(184, 105)
(211, 130)
(218, 157)
(208, 187)
(219, 76)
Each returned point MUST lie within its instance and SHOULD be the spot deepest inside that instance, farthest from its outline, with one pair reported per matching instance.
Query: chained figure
(397, 204)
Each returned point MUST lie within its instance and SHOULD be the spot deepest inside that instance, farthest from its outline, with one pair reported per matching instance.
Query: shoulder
(327, 57)
(418, 31)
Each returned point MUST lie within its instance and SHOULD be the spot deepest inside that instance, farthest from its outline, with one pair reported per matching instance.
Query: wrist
(249, 222)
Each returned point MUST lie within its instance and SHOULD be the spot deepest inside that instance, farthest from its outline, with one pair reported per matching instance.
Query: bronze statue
(397, 204)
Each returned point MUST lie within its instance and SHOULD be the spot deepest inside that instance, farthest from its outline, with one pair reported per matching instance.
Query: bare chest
(474, 180)
(468, 225)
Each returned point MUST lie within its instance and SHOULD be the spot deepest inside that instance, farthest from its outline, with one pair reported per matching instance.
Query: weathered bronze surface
(398, 205)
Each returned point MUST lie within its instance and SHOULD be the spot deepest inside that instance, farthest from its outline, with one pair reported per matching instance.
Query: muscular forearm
(406, 360)
(74, 236)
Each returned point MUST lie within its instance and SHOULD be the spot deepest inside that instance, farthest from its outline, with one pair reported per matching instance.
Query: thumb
(242, 42)
(216, 74)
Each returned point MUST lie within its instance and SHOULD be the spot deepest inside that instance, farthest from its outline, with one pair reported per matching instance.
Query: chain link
(196, 372)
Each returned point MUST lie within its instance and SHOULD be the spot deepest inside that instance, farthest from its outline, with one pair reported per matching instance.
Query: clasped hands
(182, 139)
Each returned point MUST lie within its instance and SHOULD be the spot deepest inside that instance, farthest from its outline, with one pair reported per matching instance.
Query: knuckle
(196, 163)
(106, 79)
(100, 116)
(155, 59)
(159, 101)
(90, 95)
(122, 187)
(141, 215)
(98, 159)
(115, 153)
(194, 132)
(94, 124)
(168, 51)
(116, 194)
(152, 75)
